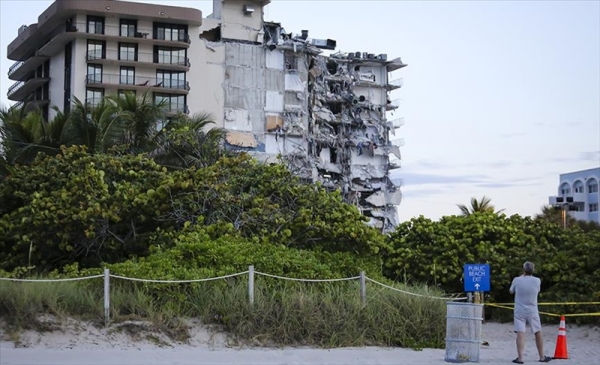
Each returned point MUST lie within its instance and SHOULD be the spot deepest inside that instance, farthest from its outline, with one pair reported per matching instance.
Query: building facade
(274, 92)
(582, 187)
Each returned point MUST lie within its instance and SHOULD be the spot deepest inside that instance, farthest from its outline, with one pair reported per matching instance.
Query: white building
(271, 90)
(580, 191)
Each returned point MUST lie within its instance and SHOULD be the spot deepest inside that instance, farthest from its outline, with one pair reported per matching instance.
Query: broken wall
(265, 99)
(351, 134)
(238, 25)
(245, 85)
(326, 116)
(206, 77)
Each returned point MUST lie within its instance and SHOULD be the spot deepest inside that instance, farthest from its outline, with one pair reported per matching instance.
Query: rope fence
(307, 280)
(363, 279)
(415, 294)
(51, 280)
(178, 281)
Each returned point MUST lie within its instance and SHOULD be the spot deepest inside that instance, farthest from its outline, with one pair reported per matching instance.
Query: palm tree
(96, 127)
(5, 168)
(189, 142)
(478, 206)
(554, 214)
(118, 123)
(25, 135)
(54, 133)
(141, 117)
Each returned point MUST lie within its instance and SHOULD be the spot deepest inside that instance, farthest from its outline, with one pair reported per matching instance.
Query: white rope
(51, 280)
(409, 293)
(178, 281)
(307, 280)
(226, 277)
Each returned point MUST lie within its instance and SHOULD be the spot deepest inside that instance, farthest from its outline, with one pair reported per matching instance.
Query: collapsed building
(277, 95)
(324, 115)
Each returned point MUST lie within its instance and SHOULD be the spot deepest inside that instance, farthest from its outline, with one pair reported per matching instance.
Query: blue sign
(477, 277)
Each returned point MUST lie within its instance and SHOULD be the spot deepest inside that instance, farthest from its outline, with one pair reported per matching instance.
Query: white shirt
(526, 289)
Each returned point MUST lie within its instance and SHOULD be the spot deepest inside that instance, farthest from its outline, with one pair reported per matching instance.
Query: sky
(499, 97)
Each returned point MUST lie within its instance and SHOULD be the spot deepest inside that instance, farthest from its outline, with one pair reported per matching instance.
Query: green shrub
(424, 251)
(283, 313)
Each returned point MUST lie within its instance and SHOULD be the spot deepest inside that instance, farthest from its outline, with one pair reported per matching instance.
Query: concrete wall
(79, 69)
(57, 82)
(237, 25)
(206, 74)
(365, 158)
(379, 72)
(375, 95)
(245, 88)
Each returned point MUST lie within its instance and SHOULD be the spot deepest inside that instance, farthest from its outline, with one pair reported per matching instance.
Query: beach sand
(77, 343)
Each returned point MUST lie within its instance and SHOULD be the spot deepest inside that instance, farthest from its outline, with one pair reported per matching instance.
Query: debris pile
(325, 115)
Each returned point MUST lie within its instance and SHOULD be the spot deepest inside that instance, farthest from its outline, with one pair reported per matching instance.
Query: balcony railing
(174, 109)
(138, 81)
(15, 66)
(396, 123)
(171, 109)
(127, 56)
(395, 84)
(398, 142)
(140, 33)
(14, 87)
(16, 105)
(397, 182)
(393, 104)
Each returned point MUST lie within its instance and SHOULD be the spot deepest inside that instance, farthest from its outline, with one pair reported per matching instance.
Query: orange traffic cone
(561, 352)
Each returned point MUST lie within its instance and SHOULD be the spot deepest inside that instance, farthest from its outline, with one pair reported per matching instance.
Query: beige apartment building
(274, 92)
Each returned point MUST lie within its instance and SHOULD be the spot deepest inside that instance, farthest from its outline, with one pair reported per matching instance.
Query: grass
(283, 314)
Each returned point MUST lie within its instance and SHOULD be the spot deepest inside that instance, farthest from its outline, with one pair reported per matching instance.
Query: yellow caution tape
(548, 314)
(582, 315)
(563, 303)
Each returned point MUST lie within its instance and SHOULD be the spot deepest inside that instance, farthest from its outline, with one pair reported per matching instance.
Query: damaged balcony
(393, 104)
(122, 82)
(134, 59)
(395, 123)
(394, 162)
(384, 198)
(395, 64)
(395, 84)
(21, 68)
(397, 182)
(398, 142)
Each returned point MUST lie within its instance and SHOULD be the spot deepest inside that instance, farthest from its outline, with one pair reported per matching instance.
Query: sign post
(477, 280)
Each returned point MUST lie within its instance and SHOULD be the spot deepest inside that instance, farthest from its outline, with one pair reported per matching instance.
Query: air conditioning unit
(324, 43)
(248, 9)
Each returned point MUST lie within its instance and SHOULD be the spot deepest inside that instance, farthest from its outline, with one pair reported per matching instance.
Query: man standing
(526, 289)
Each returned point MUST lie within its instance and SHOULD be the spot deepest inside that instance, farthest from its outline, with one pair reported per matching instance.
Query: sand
(77, 343)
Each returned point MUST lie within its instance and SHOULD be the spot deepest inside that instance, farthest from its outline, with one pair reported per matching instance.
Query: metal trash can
(463, 331)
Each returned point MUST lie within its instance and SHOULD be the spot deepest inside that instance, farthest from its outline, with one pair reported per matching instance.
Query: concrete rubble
(324, 115)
